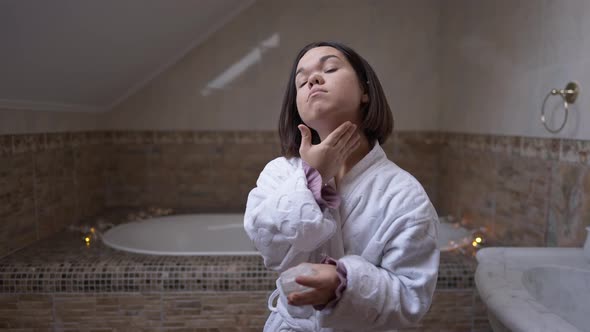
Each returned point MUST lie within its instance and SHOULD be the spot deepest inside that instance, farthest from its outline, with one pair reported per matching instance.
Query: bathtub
(74, 267)
(217, 234)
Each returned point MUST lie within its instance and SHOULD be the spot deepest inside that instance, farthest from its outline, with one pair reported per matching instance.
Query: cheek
(300, 101)
(353, 90)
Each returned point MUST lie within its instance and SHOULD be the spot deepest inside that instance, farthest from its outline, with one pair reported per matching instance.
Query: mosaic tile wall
(526, 191)
(225, 312)
(205, 171)
(451, 311)
(134, 312)
(48, 181)
(214, 172)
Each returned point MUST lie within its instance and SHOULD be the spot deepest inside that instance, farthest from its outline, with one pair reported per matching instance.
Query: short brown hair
(377, 117)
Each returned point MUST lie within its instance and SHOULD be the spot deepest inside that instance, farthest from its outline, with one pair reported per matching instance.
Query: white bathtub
(215, 234)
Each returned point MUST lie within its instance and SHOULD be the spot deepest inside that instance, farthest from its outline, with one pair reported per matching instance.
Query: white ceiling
(81, 55)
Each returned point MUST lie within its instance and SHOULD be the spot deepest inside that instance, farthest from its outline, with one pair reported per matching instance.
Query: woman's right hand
(329, 156)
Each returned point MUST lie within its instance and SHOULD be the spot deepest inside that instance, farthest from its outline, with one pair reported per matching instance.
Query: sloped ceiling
(72, 55)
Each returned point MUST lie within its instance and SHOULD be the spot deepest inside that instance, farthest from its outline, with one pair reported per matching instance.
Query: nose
(314, 79)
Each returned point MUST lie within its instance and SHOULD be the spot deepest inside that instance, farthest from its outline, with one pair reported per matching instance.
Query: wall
(27, 121)
(455, 310)
(47, 182)
(58, 167)
(399, 39)
(523, 191)
(170, 138)
(528, 187)
(501, 58)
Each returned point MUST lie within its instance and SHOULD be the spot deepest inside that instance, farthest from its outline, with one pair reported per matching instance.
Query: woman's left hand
(325, 282)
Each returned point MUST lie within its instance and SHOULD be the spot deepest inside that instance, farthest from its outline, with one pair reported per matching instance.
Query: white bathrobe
(384, 232)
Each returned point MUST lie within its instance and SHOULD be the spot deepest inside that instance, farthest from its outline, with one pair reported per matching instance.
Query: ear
(365, 98)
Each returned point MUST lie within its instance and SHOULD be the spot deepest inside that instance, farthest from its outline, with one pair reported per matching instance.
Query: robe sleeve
(283, 218)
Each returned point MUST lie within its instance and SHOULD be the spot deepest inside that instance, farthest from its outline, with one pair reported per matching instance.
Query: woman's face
(328, 90)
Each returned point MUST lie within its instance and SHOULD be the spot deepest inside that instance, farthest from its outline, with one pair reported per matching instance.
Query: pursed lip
(314, 91)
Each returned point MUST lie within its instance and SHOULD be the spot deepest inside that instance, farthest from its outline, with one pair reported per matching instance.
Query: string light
(87, 240)
(477, 242)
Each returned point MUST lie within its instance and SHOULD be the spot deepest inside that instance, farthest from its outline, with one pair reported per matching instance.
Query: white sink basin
(564, 291)
(535, 289)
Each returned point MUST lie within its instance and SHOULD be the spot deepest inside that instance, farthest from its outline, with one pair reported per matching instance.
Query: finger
(334, 136)
(355, 139)
(355, 145)
(312, 282)
(305, 137)
(341, 143)
(304, 298)
(352, 148)
(347, 137)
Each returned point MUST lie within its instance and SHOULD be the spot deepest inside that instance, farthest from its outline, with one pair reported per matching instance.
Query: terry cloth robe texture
(384, 232)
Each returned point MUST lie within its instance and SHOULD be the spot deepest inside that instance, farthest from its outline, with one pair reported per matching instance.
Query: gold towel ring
(569, 95)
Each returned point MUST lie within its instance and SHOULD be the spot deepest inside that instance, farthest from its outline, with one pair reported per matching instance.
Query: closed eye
(331, 70)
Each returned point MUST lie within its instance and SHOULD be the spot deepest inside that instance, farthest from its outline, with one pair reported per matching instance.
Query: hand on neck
(359, 153)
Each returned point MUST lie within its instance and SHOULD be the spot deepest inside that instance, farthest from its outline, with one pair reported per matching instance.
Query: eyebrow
(322, 60)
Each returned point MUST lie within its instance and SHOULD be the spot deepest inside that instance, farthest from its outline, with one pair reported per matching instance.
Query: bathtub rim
(459, 244)
(177, 253)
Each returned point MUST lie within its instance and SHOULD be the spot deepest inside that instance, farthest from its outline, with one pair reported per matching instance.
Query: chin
(321, 113)
(324, 117)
